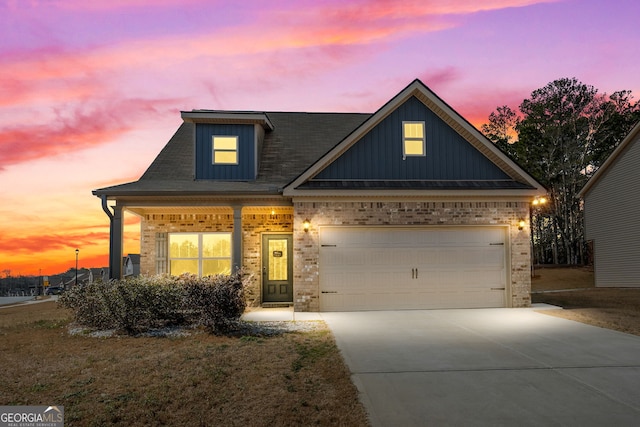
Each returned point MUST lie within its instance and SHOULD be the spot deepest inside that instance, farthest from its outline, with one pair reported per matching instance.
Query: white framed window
(413, 140)
(203, 254)
(225, 150)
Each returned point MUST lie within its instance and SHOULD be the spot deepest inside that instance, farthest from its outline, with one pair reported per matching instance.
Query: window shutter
(161, 253)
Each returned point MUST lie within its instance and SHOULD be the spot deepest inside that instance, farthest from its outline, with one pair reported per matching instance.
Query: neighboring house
(611, 218)
(409, 207)
(83, 277)
(98, 274)
(131, 265)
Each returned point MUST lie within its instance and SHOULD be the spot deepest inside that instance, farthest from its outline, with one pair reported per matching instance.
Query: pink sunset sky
(92, 89)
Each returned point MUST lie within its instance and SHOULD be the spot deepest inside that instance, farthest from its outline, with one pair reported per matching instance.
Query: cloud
(81, 128)
(275, 29)
(95, 5)
(43, 243)
(437, 78)
(477, 105)
(285, 40)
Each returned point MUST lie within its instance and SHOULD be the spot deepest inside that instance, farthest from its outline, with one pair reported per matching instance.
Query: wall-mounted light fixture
(305, 225)
(539, 201)
(521, 224)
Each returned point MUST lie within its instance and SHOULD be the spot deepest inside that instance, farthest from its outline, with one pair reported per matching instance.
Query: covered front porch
(211, 238)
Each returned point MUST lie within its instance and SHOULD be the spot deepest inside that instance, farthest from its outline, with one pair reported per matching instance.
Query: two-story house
(410, 207)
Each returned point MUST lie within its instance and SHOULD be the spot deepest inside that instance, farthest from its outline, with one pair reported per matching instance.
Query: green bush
(142, 303)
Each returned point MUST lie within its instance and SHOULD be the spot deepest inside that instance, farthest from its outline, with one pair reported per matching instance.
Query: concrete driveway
(489, 367)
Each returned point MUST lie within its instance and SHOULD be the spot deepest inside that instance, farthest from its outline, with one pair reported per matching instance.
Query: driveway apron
(489, 367)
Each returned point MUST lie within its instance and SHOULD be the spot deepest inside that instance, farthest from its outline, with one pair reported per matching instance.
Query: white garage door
(368, 268)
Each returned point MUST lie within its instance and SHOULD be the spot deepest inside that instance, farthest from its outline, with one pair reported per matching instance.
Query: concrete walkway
(279, 314)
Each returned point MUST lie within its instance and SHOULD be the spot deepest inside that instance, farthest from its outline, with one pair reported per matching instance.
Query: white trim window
(203, 254)
(413, 139)
(225, 150)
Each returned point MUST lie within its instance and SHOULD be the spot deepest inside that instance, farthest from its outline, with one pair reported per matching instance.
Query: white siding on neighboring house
(612, 216)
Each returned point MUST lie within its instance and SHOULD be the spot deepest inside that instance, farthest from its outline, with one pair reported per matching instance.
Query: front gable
(455, 155)
(379, 154)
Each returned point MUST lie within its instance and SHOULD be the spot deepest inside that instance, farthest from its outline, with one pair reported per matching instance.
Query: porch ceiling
(223, 210)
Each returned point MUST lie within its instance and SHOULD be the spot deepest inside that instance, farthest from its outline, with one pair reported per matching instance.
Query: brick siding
(254, 222)
(306, 248)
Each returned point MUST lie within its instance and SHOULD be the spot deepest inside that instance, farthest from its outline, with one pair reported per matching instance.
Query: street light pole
(77, 251)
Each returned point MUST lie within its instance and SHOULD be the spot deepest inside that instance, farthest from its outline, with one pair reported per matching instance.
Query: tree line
(561, 135)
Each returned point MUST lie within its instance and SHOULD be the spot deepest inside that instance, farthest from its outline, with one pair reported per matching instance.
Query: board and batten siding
(379, 154)
(612, 220)
(246, 169)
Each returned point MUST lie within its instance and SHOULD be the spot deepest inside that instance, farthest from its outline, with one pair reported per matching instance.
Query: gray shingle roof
(297, 141)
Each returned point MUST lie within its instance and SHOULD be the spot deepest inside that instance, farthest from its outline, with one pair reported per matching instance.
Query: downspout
(114, 269)
(105, 207)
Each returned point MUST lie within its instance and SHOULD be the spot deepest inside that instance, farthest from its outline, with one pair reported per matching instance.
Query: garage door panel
(392, 268)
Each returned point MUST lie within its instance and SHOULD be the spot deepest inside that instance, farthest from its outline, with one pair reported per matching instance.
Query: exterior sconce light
(539, 201)
(521, 224)
(305, 225)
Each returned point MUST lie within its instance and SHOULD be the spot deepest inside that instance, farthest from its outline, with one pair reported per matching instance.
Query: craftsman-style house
(409, 207)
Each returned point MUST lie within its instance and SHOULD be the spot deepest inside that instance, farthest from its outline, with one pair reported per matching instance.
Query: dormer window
(225, 150)
(413, 139)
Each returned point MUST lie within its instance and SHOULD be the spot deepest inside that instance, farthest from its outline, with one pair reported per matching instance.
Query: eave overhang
(411, 194)
(185, 203)
(227, 117)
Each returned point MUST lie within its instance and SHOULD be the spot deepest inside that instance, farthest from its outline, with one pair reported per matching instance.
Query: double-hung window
(413, 140)
(225, 150)
(203, 254)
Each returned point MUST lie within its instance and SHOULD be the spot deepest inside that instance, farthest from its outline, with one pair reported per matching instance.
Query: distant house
(83, 277)
(131, 265)
(410, 207)
(612, 223)
(98, 274)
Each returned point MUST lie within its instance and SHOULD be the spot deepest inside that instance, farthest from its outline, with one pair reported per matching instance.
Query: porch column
(115, 243)
(236, 256)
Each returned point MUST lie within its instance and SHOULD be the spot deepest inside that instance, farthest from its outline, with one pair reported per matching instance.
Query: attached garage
(395, 268)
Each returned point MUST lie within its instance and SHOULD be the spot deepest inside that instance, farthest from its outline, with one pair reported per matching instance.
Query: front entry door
(277, 268)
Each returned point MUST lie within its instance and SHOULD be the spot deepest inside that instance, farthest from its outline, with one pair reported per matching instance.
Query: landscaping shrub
(217, 301)
(88, 305)
(142, 303)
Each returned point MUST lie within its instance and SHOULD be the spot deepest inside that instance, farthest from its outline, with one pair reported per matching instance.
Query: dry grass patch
(611, 308)
(618, 320)
(201, 379)
(562, 278)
